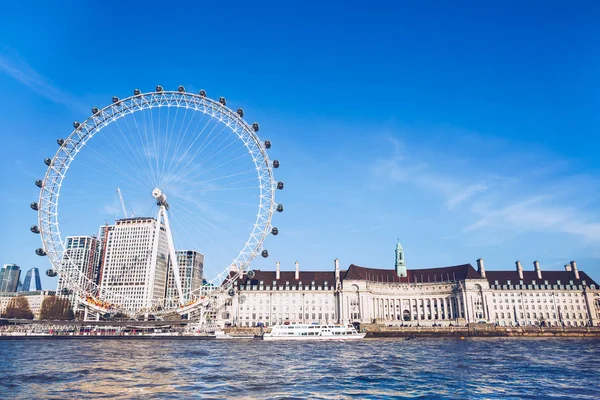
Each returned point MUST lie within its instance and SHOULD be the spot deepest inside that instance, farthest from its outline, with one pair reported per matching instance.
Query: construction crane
(122, 203)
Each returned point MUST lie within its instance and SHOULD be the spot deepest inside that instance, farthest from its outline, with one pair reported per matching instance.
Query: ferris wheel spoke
(116, 168)
(170, 135)
(137, 150)
(230, 159)
(145, 145)
(180, 138)
(191, 145)
(202, 147)
(133, 150)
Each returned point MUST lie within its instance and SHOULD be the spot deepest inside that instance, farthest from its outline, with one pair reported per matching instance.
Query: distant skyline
(467, 130)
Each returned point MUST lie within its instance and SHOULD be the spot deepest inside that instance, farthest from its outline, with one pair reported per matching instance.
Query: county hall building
(454, 295)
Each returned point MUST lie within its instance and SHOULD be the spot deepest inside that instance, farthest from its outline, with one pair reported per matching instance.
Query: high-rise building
(10, 275)
(102, 242)
(78, 265)
(134, 268)
(27, 282)
(191, 266)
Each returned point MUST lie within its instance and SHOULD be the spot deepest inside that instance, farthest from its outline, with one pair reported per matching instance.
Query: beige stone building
(436, 296)
(34, 298)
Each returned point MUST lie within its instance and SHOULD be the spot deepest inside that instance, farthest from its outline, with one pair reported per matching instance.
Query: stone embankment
(477, 330)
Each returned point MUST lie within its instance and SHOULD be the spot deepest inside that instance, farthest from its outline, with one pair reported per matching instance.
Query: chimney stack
(277, 270)
(480, 267)
(568, 267)
(575, 270)
(336, 264)
(536, 264)
(519, 269)
(297, 276)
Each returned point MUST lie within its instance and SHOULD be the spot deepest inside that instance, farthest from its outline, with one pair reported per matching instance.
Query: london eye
(193, 177)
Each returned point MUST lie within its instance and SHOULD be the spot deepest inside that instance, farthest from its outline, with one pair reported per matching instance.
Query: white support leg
(154, 257)
(173, 259)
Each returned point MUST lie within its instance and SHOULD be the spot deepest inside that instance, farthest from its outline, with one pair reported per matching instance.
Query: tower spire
(400, 263)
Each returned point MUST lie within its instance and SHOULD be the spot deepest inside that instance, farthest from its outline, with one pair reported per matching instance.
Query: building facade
(191, 269)
(10, 276)
(78, 265)
(35, 298)
(134, 269)
(35, 274)
(454, 295)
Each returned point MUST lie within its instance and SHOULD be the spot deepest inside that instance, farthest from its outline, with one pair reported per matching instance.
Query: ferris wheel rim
(48, 215)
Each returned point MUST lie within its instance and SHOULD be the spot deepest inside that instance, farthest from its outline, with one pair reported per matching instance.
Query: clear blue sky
(465, 129)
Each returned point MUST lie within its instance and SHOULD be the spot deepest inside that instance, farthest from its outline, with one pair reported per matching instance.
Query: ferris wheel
(198, 182)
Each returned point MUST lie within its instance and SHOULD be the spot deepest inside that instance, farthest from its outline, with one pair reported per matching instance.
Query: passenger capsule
(34, 206)
(280, 185)
(34, 229)
(159, 88)
(255, 126)
(51, 273)
(39, 183)
(137, 92)
(240, 112)
(181, 89)
(76, 124)
(222, 100)
(106, 316)
(115, 99)
(60, 142)
(275, 163)
(265, 253)
(275, 231)
(202, 93)
(279, 208)
(251, 274)
(47, 161)
(267, 144)
(231, 292)
(40, 252)
(65, 291)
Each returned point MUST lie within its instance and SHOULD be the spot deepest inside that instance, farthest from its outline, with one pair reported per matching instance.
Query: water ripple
(432, 368)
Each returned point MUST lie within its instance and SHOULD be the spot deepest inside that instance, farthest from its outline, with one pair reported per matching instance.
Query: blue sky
(467, 130)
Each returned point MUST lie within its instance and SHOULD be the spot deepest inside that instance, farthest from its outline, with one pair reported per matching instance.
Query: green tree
(18, 307)
(55, 308)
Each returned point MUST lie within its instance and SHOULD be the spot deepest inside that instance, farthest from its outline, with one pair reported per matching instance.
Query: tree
(53, 307)
(18, 307)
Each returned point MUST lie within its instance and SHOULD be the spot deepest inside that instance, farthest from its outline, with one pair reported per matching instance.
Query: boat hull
(313, 338)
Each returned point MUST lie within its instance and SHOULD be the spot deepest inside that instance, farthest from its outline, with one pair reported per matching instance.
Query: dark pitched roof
(306, 277)
(529, 276)
(442, 274)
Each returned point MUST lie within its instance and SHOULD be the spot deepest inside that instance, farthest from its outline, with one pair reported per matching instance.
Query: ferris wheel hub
(161, 198)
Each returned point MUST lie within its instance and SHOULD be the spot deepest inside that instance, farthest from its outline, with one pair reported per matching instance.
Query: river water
(435, 368)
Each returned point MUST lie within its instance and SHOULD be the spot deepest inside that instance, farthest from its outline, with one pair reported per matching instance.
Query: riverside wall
(478, 330)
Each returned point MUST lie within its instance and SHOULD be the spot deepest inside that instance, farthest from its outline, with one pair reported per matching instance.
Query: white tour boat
(313, 332)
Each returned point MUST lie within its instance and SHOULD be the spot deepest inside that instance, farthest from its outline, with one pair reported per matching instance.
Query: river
(435, 368)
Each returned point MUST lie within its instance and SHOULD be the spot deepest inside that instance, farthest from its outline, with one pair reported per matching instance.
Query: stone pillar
(575, 270)
(481, 267)
(297, 274)
(538, 271)
(519, 269)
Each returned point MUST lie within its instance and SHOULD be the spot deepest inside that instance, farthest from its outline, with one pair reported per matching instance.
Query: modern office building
(78, 265)
(442, 296)
(35, 274)
(134, 267)
(10, 275)
(191, 267)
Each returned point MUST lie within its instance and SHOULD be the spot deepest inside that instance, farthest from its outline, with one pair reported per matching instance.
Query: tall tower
(400, 263)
